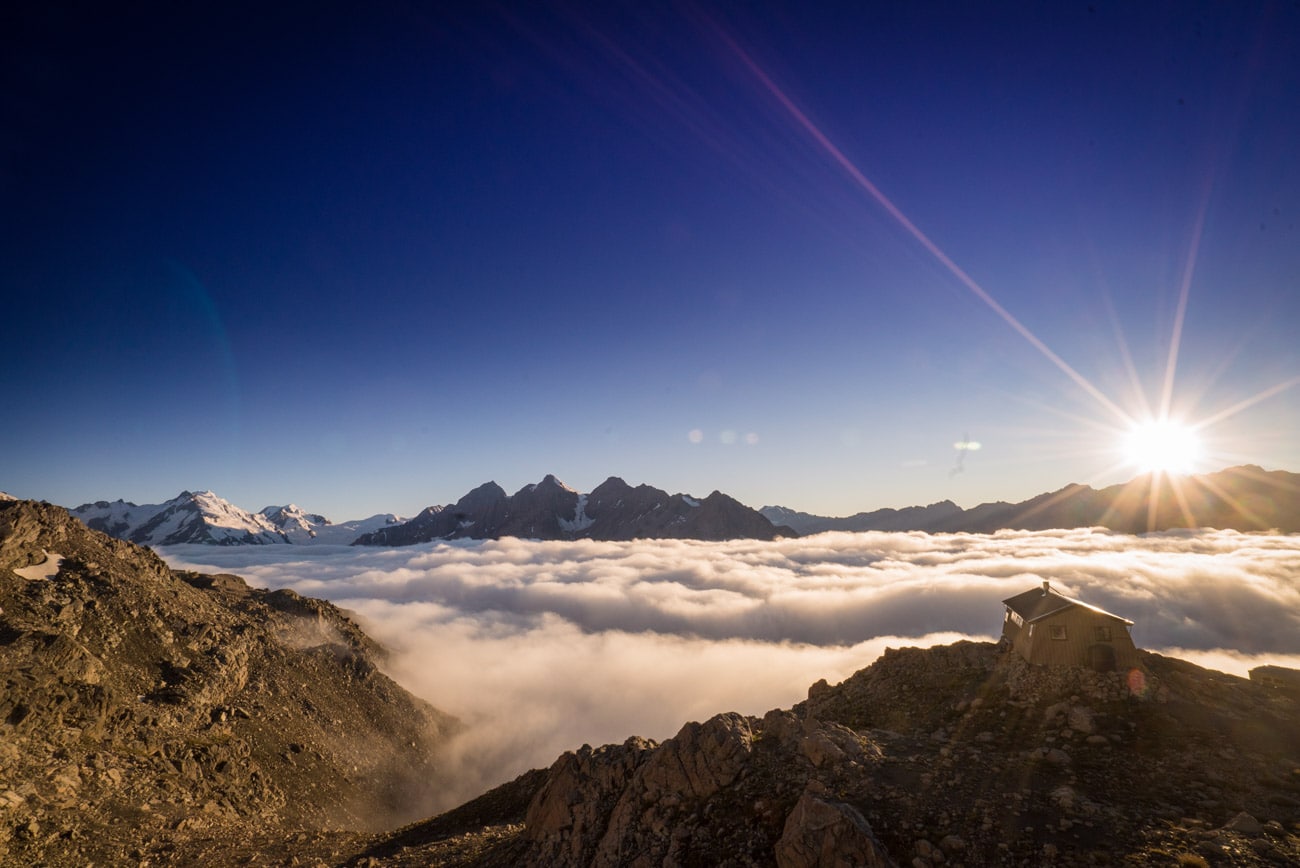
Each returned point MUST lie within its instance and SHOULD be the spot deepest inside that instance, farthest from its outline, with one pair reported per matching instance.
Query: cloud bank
(542, 646)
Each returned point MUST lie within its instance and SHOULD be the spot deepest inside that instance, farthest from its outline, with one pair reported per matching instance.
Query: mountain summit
(190, 517)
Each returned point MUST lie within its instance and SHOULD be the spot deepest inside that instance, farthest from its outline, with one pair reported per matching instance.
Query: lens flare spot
(695, 435)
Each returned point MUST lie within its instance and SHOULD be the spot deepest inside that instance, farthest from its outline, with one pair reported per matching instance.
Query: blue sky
(365, 259)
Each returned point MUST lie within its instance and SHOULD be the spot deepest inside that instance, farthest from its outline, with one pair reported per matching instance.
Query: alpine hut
(1045, 626)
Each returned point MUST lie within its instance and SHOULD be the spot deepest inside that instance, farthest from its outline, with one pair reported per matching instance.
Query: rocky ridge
(545, 510)
(550, 509)
(1243, 498)
(955, 755)
(145, 710)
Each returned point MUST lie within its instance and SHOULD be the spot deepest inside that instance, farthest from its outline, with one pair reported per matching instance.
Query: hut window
(1058, 631)
(1101, 634)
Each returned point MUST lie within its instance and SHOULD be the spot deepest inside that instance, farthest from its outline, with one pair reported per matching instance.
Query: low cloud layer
(543, 646)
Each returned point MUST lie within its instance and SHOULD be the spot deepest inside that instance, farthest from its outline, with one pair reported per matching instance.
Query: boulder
(822, 833)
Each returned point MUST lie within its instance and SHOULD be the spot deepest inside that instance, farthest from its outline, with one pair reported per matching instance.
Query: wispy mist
(542, 646)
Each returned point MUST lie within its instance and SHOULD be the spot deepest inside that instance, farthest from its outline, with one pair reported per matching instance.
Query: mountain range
(1245, 498)
(550, 509)
(203, 517)
(545, 510)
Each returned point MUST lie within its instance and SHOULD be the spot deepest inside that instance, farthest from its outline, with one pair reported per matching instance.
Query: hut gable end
(1046, 627)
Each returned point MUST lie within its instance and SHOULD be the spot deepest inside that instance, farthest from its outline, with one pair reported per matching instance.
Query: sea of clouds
(543, 646)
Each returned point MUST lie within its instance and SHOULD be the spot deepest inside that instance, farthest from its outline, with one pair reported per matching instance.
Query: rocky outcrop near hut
(955, 755)
(145, 711)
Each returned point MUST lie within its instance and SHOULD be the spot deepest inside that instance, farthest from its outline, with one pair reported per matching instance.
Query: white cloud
(545, 645)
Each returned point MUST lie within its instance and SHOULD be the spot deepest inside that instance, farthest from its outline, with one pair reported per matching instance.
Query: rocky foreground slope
(957, 755)
(162, 717)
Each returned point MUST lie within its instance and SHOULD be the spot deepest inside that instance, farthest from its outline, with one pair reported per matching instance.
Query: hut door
(1101, 658)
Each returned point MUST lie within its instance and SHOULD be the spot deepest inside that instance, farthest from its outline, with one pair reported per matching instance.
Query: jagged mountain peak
(487, 492)
(612, 485)
(552, 510)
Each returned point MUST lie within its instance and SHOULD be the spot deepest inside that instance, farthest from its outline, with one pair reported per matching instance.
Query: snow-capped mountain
(190, 517)
(307, 528)
(294, 522)
(204, 517)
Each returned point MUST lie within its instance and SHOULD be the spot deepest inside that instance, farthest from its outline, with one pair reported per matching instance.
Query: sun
(1163, 446)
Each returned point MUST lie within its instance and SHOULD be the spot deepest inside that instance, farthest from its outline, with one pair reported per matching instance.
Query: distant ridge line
(1245, 498)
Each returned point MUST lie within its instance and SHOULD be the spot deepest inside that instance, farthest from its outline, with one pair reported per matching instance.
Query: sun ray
(912, 229)
(1236, 504)
(1126, 357)
(1184, 291)
(1176, 485)
(1248, 403)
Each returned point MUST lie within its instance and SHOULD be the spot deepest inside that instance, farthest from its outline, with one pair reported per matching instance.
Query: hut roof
(1041, 602)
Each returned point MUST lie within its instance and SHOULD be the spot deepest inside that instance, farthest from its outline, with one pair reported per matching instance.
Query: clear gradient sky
(366, 258)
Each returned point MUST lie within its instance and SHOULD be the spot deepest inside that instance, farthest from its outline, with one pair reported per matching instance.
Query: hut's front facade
(1279, 677)
(1046, 627)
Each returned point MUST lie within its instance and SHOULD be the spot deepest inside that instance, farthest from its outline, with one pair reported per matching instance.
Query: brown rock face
(822, 833)
(641, 804)
(571, 812)
(700, 760)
